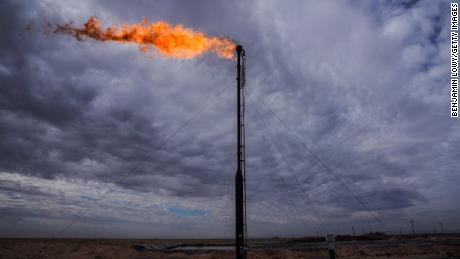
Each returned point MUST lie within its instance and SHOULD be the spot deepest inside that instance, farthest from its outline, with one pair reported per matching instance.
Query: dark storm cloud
(363, 84)
(48, 98)
(30, 88)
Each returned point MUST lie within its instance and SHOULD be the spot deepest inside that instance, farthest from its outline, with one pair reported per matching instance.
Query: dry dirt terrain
(419, 247)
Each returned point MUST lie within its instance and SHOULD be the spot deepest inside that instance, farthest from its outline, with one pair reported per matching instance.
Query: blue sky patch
(13, 196)
(188, 212)
(87, 198)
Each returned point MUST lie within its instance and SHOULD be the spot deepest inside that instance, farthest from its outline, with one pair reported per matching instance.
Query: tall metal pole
(240, 251)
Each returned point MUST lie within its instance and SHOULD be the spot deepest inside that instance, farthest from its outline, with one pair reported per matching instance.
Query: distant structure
(442, 227)
(331, 245)
(353, 230)
(412, 224)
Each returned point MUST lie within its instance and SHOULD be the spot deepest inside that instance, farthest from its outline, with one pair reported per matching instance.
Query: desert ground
(420, 247)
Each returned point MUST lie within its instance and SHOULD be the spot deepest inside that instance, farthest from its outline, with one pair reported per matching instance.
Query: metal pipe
(240, 252)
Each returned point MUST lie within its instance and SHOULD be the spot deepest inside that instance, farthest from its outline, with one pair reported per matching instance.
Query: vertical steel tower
(240, 178)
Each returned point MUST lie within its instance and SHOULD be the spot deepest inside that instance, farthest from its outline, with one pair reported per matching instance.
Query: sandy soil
(114, 249)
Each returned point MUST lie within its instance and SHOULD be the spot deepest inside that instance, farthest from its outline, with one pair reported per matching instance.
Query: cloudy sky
(365, 84)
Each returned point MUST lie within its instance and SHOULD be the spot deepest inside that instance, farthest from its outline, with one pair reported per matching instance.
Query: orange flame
(173, 41)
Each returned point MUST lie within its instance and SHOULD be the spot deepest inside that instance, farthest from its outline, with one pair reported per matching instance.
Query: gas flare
(174, 41)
